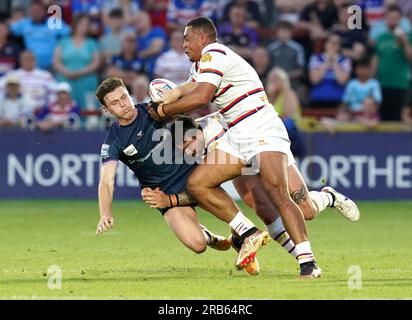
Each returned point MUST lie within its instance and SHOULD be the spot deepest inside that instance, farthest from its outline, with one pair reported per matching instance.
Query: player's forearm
(181, 199)
(189, 102)
(185, 199)
(187, 87)
(106, 191)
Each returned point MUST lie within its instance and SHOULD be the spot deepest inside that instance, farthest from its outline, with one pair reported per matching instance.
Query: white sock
(304, 252)
(321, 200)
(278, 233)
(240, 224)
(206, 234)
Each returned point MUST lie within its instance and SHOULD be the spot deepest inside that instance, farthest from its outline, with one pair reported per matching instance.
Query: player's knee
(193, 186)
(198, 246)
(309, 212)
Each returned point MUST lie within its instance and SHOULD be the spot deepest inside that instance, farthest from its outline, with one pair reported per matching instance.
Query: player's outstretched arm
(106, 189)
(160, 200)
(198, 97)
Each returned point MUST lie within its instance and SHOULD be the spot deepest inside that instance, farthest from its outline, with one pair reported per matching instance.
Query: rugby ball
(155, 94)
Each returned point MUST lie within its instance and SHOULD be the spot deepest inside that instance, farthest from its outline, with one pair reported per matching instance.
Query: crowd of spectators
(309, 54)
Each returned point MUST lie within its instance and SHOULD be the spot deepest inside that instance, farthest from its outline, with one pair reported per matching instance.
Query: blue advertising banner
(58, 165)
(363, 165)
(66, 165)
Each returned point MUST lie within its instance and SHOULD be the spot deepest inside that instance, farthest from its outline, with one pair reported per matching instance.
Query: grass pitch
(142, 259)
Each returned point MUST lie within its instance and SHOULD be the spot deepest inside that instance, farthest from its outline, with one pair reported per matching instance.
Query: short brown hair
(107, 86)
(205, 25)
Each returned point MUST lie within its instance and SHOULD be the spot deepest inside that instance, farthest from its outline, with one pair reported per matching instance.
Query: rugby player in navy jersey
(136, 140)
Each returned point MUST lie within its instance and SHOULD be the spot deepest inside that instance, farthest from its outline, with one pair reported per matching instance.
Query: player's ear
(105, 109)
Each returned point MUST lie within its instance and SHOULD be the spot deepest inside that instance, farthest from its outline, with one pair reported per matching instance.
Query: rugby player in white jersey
(203, 135)
(256, 133)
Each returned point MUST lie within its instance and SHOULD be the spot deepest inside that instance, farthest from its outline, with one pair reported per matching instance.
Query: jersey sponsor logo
(130, 151)
(213, 145)
(207, 57)
(105, 151)
(262, 142)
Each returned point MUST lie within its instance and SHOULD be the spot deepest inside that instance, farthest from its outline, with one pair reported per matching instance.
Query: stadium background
(367, 155)
(50, 150)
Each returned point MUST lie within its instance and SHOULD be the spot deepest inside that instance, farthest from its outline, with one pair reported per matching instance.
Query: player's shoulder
(215, 49)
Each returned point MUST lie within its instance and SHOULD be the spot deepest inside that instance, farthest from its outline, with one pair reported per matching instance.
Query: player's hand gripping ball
(158, 88)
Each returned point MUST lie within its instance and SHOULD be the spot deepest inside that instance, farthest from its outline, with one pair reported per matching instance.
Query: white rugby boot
(343, 205)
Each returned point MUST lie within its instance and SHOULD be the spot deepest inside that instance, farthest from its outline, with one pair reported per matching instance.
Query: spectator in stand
(16, 14)
(173, 64)
(393, 54)
(157, 10)
(36, 84)
(220, 10)
(367, 116)
(127, 65)
(38, 37)
(261, 62)
(362, 88)
(94, 10)
(140, 93)
(288, 54)
(315, 21)
(407, 109)
(286, 103)
(62, 113)
(406, 7)
(9, 50)
(151, 40)
(180, 12)
(77, 60)
(269, 13)
(14, 107)
(329, 72)
(129, 7)
(86, 6)
(237, 35)
(353, 40)
(111, 41)
(290, 10)
(381, 26)
(374, 10)
(253, 15)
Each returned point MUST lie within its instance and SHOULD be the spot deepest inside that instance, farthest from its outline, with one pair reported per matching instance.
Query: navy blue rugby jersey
(145, 147)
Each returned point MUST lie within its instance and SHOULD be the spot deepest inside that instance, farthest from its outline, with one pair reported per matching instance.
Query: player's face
(119, 103)
(193, 43)
(193, 145)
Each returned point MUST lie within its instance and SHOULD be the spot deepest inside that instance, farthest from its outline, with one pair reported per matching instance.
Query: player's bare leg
(251, 191)
(314, 202)
(185, 225)
(204, 185)
(274, 176)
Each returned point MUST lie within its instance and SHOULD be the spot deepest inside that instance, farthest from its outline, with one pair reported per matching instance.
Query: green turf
(141, 258)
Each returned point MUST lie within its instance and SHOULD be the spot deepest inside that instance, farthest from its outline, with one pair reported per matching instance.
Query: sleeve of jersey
(109, 152)
(211, 67)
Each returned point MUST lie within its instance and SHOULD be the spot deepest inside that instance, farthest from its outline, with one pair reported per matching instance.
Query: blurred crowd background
(312, 62)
